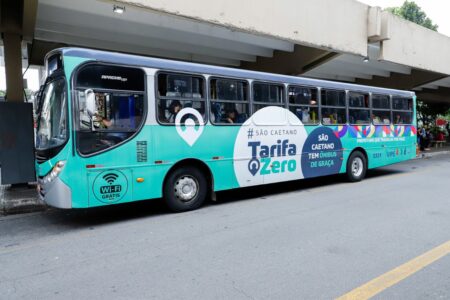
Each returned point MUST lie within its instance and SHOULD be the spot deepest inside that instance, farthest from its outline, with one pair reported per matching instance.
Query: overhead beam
(101, 40)
(316, 23)
(291, 63)
(37, 52)
(120, 47)
(346, 73)
(441, 95)
(340, 67)
(403, 81)
(331, 76)
(377, 65)
(160, 26)
(445, 82)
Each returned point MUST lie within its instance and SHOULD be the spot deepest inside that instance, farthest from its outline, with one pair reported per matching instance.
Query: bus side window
(402, 110)
(381, 110)
(304, 104)
(119, 107)
(358, 112)
(178, 91)
(266, 94)
(229, 101)
(333, 107)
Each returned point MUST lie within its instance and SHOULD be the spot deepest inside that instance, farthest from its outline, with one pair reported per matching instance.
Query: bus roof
(158, 63)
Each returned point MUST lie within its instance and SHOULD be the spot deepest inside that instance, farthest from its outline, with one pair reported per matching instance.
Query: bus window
(402, 117)
(402, 110)
(381, 102)
(400, 103)
(265, 94)
(229, 101)
(114, 111)
(359, 112)
(178, 91)
(333, 107)
(119, 111)
(303, 102)
(381, 113)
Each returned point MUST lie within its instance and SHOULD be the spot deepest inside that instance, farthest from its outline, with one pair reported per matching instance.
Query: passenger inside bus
(231, 116)
(381, 118)
(229, 113)
(359, 116)
(174, 108)
(376, 119)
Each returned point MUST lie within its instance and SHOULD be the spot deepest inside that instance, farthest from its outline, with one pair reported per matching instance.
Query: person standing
(422, 138)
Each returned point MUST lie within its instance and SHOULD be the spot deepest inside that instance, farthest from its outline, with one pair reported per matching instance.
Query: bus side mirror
(38, 99)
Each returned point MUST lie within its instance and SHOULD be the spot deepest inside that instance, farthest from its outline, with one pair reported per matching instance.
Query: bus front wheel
(356, 166)
(185, 189)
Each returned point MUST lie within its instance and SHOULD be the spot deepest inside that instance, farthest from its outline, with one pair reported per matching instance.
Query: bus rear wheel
(356, 166)
(185, 189)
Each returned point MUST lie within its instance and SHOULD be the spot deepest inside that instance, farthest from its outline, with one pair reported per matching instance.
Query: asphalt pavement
(312, 239)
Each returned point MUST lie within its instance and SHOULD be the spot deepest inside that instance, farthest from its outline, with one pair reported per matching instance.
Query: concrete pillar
(12, 44)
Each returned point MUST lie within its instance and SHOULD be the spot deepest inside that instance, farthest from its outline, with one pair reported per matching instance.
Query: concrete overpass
(338, 40)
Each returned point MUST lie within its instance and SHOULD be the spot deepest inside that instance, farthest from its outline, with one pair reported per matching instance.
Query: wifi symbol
(110, 177)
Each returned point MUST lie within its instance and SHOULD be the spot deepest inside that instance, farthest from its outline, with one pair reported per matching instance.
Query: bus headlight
(54, 172)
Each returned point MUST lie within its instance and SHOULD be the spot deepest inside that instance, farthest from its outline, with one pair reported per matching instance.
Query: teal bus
(115, 128)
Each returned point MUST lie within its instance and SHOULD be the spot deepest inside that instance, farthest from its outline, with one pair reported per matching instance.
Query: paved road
(312, 239)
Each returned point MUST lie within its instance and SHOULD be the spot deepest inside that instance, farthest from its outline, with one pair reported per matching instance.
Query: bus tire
(356, 166)
(185, 189)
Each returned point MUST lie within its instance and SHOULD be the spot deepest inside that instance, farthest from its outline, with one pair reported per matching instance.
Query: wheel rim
(186, 188)
(357, 166)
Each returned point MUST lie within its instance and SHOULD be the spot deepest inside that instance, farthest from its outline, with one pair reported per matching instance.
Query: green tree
(427, 113)
(412, 12)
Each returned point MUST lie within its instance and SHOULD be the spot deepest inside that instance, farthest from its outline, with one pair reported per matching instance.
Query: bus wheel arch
(357, 164)
(197, 173)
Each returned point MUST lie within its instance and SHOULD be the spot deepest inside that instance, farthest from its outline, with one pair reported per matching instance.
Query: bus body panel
(136, 169)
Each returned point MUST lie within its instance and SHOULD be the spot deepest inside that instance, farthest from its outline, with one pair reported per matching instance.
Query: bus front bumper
(55, 193)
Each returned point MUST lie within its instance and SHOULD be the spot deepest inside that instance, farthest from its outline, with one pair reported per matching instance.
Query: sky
(32, 77)
(437, 10)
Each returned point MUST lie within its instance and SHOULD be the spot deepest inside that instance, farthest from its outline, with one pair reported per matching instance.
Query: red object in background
(441, 122)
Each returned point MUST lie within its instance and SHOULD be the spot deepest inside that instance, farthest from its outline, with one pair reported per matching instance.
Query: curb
(20, 200)
(432, 154)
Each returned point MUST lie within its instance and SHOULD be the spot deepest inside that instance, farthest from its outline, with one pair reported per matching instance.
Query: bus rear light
(140, 179)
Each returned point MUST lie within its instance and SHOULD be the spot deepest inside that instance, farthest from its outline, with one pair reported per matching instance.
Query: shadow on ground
(124, 212)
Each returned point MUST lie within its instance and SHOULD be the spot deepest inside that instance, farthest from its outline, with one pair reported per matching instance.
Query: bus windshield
(52, 128)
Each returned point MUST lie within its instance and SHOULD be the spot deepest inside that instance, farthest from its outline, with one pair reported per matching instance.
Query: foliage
(412, 12)
(427, 113)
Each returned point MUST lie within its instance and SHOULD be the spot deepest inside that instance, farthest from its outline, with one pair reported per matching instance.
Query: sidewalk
(20, 199)
(434, 151)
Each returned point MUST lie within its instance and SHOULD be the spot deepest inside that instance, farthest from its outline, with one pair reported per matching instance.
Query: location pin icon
(189, 133)
(253, 166)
